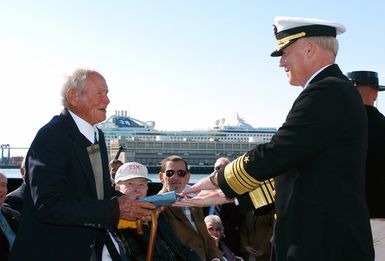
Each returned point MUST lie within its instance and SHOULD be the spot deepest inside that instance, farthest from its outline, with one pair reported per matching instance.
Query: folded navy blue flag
(163, 199)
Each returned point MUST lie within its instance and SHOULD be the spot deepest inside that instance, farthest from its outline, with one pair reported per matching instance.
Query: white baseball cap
(131, 170)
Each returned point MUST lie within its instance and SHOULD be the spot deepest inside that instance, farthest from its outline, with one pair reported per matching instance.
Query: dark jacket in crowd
(375, 163)
(12, 216)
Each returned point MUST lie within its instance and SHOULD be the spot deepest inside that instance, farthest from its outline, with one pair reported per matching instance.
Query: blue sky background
(182, 63)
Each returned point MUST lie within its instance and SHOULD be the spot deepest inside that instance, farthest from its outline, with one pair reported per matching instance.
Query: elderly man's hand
(132, 209)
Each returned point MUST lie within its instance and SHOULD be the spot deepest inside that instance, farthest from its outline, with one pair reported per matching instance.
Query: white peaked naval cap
(289, 29)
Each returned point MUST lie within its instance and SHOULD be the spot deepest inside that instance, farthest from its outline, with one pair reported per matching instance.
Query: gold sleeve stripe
(232, 180)
(238, 178)
(246, 177)
(242, 176)
(263, 195)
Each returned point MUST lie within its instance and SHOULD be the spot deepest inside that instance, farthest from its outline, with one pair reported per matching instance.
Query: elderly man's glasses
(180, 172)
(214, 229)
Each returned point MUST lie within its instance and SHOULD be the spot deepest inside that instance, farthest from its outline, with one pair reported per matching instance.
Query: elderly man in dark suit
(9, 221)
(69, 206)
(317, 157)
(368, 86)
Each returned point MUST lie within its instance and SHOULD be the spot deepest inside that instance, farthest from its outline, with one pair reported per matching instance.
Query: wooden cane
(138, 224)
(152, 240)
(139, 227)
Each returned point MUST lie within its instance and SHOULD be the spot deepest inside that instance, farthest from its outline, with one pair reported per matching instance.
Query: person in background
(131, 179)
(113, 167)
(15, 198)
(317, 157)
(368, 86)
(216, 230)
(256, 234)
(187, 223)
(70, 208)
(220, 163)
(230, 215)
(9, 221)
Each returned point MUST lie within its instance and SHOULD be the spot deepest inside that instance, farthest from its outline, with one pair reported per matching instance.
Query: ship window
(219, 146)
(244, 147)
(131, 145)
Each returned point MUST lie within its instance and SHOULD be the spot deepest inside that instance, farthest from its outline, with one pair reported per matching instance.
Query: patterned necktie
(7, 230)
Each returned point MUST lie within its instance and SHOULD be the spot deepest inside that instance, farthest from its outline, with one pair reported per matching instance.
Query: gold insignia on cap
(283, 41)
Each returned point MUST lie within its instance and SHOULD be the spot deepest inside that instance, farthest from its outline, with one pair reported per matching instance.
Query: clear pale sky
(181, 63)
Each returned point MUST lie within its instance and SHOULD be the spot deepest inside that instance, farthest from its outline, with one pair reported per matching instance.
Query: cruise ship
(130, 139)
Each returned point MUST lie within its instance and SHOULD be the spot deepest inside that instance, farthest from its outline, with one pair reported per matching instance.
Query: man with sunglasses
(188, 223)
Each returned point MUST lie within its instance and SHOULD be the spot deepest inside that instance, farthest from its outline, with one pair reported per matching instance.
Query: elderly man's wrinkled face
(220, 164)
(214, 230)
(134, 188)
(91, 103)
(3, 188)
(175, 177)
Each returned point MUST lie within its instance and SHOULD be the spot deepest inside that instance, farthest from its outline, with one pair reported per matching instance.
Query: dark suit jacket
(12, 217)
(167, 244)
(62, 217)
(375, 163)
(257, 231)
(231, 220)
(318, 159)
(15, 198)
(199, 240)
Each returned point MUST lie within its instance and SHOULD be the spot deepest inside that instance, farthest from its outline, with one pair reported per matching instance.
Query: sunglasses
(180, 172)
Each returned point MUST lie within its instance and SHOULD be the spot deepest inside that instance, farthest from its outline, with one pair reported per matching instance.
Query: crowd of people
(326, 162)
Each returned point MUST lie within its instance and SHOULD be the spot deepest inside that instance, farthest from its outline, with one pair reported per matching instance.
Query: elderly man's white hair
(76, 81)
